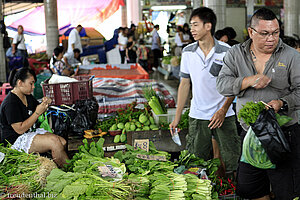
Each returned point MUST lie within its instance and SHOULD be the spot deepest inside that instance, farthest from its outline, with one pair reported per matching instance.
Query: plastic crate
(69, 93)
(166, 118)
(3, 91)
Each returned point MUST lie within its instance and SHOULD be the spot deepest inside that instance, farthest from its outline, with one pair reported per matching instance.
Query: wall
(236, 18)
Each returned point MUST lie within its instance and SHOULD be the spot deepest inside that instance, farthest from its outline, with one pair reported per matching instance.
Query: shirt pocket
(279, 77)
(215, 69)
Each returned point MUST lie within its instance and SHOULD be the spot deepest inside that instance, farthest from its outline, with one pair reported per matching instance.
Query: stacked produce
(167, 186)
(23, 173)
(140, 186)
(129, 119)
(90, 175)
(197, 188)
(155, 102)
(71, 185)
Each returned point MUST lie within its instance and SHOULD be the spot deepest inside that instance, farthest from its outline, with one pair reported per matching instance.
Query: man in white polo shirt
(211, 114)
(74, 41)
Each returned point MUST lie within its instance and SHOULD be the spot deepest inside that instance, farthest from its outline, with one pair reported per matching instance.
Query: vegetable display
(155, 102)
(23, 173)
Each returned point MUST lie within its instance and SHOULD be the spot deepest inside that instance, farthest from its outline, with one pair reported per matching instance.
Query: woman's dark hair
(230, 32)
(179, 29)
(219, 34)
(20, 74)
(292, 42)
(56, 52)
(186, 25)
(206, 15)
(142, 42)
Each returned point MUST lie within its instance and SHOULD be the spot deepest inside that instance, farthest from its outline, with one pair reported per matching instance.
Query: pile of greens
(23, 173)
(167, 186)
(70, 185)
(250, 111)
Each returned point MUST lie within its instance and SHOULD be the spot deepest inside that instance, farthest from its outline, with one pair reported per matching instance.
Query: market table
(161, 139)
(126, 71)
(115, 93)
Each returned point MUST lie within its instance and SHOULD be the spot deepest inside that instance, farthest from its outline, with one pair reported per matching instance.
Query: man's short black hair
(262, 14)
(206, 15)
(156, 26)
(76, 50)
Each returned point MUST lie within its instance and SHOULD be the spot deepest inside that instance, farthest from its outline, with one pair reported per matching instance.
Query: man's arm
(293, 98)
(183, 93)
(218, 118)
(66, 62)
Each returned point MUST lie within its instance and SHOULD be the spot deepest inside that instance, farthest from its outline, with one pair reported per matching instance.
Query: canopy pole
(51, 25)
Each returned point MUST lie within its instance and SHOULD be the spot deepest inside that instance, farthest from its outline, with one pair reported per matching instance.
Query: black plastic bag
(86, 115)
(272, 138)
(60, 121)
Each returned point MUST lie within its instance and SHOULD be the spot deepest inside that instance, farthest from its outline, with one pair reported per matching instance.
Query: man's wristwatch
(284, 106)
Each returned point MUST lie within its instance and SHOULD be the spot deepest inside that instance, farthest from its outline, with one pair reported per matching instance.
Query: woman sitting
(18, 113)
(57, 65)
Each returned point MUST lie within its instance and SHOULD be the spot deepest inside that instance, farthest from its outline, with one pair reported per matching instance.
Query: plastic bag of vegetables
(253, 152)
(272, 138)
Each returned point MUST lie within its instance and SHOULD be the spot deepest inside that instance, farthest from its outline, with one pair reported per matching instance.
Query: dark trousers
(123, 55)
(253, 182)
(156, 56)
(24, 55)
(144, 64)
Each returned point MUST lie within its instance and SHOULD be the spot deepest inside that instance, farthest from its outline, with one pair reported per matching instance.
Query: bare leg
(216, 150)
(50, 142)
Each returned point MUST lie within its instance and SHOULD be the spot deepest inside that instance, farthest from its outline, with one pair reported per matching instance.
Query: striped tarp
(115, 93)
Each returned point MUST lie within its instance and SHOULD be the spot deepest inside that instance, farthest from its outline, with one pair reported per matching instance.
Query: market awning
(70, 12)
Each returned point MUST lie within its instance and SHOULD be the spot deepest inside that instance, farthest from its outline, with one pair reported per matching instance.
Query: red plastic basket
(68, 93)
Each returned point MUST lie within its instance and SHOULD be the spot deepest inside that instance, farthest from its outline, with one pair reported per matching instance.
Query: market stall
(126, 71)
(115, 93)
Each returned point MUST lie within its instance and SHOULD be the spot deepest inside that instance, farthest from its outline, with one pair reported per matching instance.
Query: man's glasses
(267, 34)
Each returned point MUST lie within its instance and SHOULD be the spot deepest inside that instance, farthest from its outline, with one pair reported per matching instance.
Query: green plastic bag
(44, 122)
(253, 152)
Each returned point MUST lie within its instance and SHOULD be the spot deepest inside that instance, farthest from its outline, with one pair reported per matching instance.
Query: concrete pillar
(219, 7)
(250, 9)
(196, 4)
(291, 17)
(51, 25)
(2, 53)
(124, 15)
(134, 11)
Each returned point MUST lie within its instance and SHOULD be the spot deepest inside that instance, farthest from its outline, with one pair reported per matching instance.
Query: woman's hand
(41, 108)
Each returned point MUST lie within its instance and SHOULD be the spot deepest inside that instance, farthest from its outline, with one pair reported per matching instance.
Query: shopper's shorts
(199, 141)
(24, 141)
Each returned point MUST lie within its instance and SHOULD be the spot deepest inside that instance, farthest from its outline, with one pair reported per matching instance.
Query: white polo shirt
(203, 72)
(74, 38)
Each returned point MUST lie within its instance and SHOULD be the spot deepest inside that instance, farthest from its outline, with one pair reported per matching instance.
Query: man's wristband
(37, 113)
(285, 106)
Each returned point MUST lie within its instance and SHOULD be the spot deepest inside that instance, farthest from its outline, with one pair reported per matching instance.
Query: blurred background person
(18, 46)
